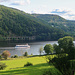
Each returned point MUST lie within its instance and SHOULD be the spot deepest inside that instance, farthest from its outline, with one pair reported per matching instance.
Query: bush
(12, 56)
(25, 54)
(0, 56)
(6, 54)
(15, 56)
(2, 66)
(48, 48)
(31, 54)
(28, 64)
(52, 71)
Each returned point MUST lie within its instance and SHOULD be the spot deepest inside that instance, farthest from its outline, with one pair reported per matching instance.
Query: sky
(63, 8)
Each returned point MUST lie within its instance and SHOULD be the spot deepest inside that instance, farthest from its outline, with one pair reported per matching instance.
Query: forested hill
(14, 22)
(58, 22)
(49, 18)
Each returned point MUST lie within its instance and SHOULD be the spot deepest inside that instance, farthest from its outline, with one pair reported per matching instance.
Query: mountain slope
(49, 18)
(58, 22)
(14, 22)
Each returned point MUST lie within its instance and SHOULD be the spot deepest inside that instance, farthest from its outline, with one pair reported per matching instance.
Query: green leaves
(66, 43)
(48, 48)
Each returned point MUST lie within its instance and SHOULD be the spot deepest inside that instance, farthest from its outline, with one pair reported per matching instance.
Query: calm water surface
(34, 47)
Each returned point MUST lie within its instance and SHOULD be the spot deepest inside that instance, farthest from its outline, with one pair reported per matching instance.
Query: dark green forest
(14, 22)
(58, 22)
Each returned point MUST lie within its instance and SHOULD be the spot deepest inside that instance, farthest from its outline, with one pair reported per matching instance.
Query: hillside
(58, 22)
(16, 66)
(49, 18)
(14, 22)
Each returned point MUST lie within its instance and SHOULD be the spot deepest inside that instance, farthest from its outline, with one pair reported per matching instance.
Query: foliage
(48, 48)
(6, 54)
(16, 22)
(62, 60)
(71, 54)
(41, 50)
(66, 43)
(63, 64)
(0, 56)
(31, 54)
(2, 66)
(52, 71)
(58, 22)
(56, 48)
(25, 54)
(15, 56)
(28, 64)
(12, 56)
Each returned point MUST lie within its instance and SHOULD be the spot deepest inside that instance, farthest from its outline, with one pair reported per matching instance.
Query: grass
(31, 70)
(16, 66)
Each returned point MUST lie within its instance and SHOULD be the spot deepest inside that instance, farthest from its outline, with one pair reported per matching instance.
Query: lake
(34, 47)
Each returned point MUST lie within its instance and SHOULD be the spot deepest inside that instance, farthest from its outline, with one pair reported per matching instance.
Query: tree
(41, 50)
(59, 51)
(61, 61)
(56, 48)
(25, 54)
(66, 43)
(48, 48)
(0, 56)
(15, 56)
(2, 66)
(6, 54)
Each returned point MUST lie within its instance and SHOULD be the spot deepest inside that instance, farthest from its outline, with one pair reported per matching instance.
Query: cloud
(59, 11)
(20, 2)
(4, 0)
(38, 12)
(15, 3)
(65, 13)
(28, 1)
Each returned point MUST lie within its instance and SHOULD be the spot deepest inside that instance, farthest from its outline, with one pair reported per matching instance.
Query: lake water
(34, 47)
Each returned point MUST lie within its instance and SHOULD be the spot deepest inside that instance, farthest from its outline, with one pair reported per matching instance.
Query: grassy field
(16, 66)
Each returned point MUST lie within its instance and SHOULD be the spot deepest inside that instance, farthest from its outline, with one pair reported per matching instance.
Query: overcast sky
(64, 8)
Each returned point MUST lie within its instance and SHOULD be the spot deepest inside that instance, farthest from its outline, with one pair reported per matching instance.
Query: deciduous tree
(48, 48)
(6, 54)
(41, 50)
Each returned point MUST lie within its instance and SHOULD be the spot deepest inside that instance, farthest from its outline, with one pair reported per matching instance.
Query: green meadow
(16, 66)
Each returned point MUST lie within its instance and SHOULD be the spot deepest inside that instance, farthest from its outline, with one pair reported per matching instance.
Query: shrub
(25, 54)
(28, 64)
(0, 56)
(12, 56)
(48, 48)
(52, 71)
(6, 54)
(15, 56)
(31, 54)
(2, 66)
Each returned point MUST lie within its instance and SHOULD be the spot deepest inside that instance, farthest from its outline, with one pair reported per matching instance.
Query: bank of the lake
(34, 47)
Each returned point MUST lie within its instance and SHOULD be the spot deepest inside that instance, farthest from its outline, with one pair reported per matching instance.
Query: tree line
(64, 56)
